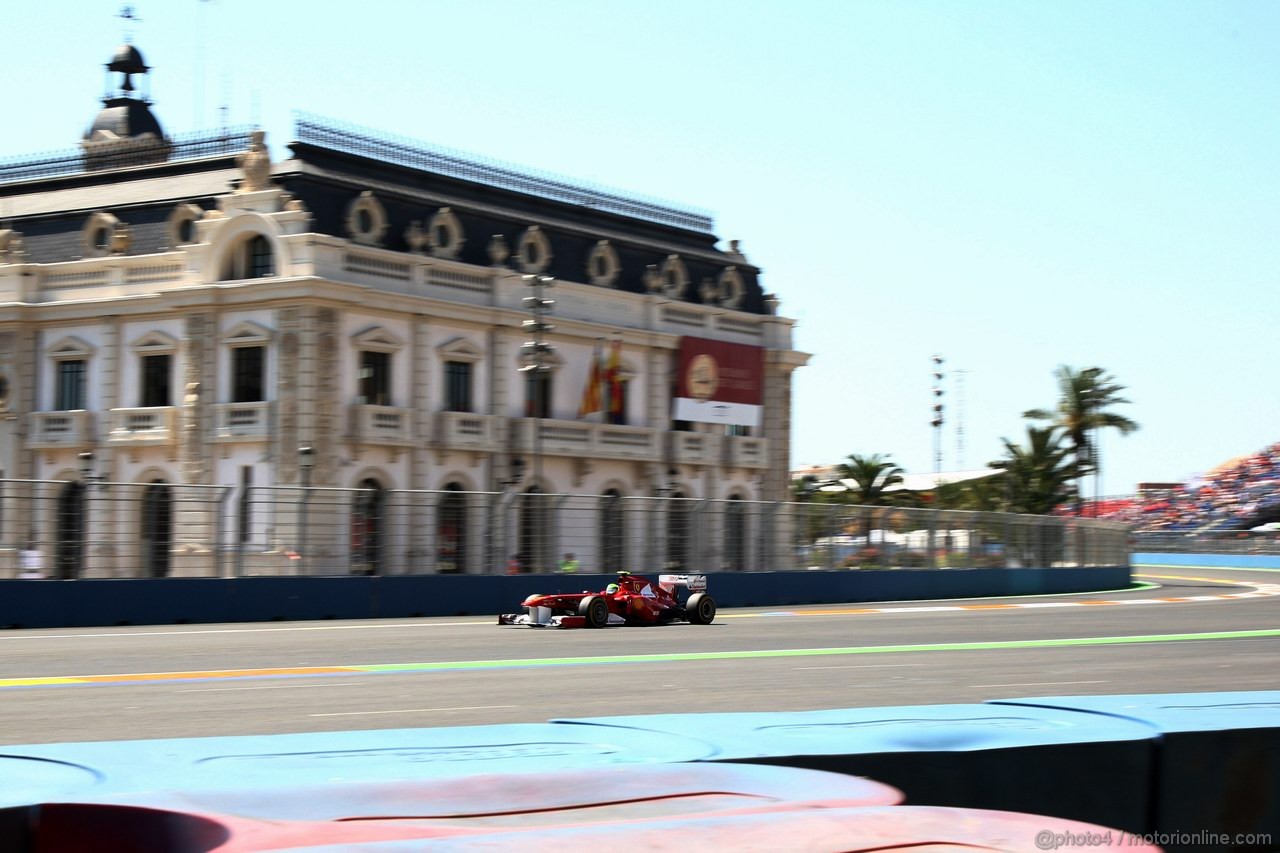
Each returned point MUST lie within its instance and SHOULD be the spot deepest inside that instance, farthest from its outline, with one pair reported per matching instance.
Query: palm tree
(1038, 475)
(872, 475)
(1085, 398)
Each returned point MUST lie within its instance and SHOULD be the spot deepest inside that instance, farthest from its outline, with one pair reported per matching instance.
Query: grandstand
(1240, 494)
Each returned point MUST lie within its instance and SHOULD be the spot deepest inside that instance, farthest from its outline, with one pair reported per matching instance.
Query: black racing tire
(700, 609)
(595, 610)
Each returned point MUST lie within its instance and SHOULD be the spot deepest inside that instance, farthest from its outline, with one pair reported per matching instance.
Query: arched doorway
(535, 531)
(613, 532)
(157, 529)
(71, 527)
(677, 532)
(735, 534)
(367, 528)
(451, 531)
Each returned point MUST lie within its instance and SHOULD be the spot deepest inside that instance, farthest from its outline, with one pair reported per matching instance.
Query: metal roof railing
(351, 139)
(191, 146)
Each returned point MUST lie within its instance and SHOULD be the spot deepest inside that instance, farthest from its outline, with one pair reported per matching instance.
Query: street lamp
(937, 453)
(535, 358)
(306, 461)
(89, 480)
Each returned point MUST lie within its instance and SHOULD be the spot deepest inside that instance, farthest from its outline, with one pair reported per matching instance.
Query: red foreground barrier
(338, 816)
(91, 828)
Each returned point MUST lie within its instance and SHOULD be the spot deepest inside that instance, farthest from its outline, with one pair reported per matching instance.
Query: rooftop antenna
(198, 101)
(226, 98)
(127, 15)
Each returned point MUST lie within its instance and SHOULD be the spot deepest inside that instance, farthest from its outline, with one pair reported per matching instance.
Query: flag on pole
(591, 393)
(616, 409)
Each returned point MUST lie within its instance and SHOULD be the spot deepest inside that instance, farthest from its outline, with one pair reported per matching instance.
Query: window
(737, 430)
(735, 534)
(678, 532)
(246, 374)
(367, 528)
(156, 380)
(70, 389)
(613, 531)
(244, 510)
(251, 258)
(375, 378)
(537, 394)
(451, 531)
(260, 261)
(457, 386)
(618, 408)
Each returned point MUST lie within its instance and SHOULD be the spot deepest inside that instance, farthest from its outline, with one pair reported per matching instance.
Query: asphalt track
(1194, 630)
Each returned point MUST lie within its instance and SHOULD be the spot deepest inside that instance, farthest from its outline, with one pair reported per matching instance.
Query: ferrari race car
(632, 600)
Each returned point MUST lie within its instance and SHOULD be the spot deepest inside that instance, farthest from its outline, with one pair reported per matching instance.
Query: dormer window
(252, 258)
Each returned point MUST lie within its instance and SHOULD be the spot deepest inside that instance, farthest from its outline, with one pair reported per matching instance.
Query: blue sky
(1014, 185)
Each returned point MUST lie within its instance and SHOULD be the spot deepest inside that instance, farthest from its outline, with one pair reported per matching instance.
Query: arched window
(613, 532)
(251, 258)
(367, 527)
(451, 531)
(535, 531)
(71, 529)
(261, 262)
(735, 534)
(157, 529)
(678, 513)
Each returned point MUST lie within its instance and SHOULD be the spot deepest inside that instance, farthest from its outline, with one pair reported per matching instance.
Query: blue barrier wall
(1226, 561)
(162, 601)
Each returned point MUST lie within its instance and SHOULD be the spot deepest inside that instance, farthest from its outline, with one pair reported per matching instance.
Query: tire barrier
(1218, 761)
(1023, 759)
(166, 601)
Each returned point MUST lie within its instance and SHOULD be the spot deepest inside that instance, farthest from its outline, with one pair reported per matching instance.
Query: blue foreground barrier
(78, 771)
(1218, 768)
(1070, 764)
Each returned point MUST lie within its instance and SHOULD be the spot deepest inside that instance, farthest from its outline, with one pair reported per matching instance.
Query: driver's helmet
(611, 588)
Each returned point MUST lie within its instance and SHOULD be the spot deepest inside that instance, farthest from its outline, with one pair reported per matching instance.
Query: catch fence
(80, 529)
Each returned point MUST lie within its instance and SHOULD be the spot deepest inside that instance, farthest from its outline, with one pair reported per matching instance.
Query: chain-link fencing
(74, 529)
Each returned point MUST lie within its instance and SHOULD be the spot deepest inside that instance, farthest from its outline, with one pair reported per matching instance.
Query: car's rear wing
(694, 583)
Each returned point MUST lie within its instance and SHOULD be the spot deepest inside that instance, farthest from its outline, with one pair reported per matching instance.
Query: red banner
(724, 372)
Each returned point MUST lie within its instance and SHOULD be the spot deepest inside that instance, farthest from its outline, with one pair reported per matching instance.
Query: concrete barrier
(1218, 761)
(1069, 764)
(161, 601)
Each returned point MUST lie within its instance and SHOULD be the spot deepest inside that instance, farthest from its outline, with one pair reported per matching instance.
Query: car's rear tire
(595, 610)
(700, 609)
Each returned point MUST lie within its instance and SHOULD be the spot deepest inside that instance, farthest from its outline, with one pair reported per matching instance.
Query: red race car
(632, 600)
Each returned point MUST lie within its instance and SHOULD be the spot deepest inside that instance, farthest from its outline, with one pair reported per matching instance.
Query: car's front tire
(595, 610)
(700, 609)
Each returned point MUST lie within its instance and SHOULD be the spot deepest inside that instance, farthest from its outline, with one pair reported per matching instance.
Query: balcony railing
(746, 452)
(694, 448)
(242, 421)
(563, 438)
(627, 442)
(151, 425)
(51, 430)
(464, 431)
(381, 424)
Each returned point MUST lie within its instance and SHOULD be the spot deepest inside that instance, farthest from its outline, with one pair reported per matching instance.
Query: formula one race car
(632, 600)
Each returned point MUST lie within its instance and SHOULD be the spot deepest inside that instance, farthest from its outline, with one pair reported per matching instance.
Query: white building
(191, 313)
